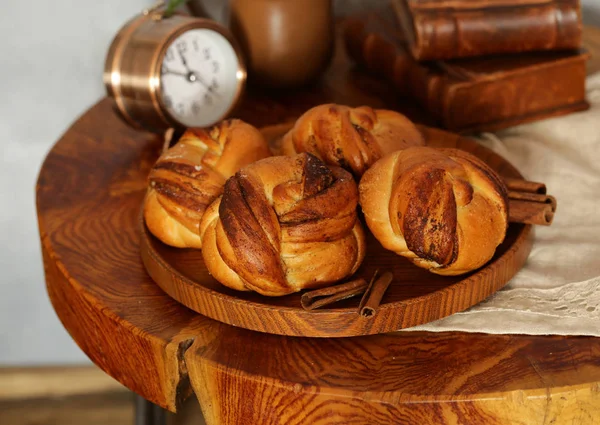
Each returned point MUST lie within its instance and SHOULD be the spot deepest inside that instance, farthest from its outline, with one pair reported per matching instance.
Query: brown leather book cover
(475, 94)
(448, 29)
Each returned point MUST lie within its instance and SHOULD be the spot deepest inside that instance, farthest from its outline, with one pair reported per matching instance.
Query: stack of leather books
(478, 65)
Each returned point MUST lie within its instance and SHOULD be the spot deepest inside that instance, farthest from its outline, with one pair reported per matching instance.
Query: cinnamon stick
(323, 297)
(528, 202)
(520, 185)
(374, 294)
(528, 212)
(533, 197)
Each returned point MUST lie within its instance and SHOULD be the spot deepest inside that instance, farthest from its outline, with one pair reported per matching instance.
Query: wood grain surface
(415, 296)
(88, 197)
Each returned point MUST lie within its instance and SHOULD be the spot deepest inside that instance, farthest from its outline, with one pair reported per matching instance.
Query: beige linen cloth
(558, 290)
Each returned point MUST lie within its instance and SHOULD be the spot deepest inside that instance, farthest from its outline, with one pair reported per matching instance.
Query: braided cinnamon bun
(190, 175)
(352, 138)
(284, 224)
(443, 209)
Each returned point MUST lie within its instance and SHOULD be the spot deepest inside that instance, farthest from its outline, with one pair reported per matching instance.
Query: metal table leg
(147, 413)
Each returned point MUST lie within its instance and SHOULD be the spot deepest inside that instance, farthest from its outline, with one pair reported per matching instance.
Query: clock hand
(170, 71)
(194, 76)
(205, 84)
(183, 61)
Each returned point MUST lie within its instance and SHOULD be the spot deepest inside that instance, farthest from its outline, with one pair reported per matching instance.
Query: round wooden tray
(416, 296)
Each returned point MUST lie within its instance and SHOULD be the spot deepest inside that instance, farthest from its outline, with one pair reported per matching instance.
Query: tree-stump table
(89, 195)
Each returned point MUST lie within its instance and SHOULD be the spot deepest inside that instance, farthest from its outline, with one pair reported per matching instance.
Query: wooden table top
(89, 196)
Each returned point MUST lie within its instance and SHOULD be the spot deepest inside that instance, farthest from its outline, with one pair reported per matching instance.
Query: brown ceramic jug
(287, 42)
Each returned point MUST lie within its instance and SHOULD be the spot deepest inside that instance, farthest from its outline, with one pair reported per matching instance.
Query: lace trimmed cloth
(558, 290)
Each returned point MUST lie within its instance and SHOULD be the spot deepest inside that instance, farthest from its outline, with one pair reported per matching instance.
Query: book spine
(515, 98)
(447, 33)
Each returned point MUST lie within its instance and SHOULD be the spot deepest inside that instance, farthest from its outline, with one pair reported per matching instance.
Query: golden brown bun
(190, 175)
(444, 209)
(352, 138)
(284, 224)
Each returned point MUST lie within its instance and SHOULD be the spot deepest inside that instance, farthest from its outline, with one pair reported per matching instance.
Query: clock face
(199, 77)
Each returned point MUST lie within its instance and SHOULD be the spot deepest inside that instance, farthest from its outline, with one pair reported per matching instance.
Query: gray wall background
(52, 59)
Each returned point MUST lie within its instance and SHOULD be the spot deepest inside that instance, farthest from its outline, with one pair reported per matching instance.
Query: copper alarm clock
(174, 72)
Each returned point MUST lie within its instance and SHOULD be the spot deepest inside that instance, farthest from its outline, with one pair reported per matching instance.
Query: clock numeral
(214, 85)
(196, 46)
(208, 99)
(168, 101)
(182, 46)
(215, 67)
(195, 108)
(206, 53)
(169, 56)
(180, 108)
